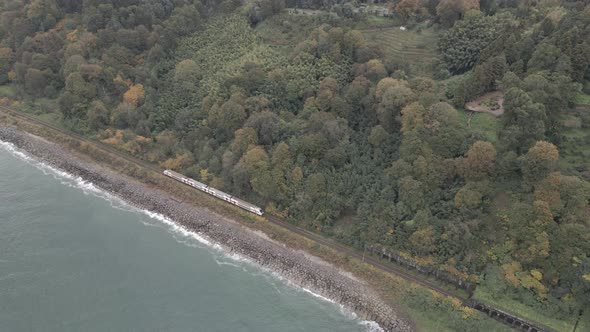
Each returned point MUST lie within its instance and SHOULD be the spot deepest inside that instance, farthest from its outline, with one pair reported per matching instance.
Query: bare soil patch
(491, 102)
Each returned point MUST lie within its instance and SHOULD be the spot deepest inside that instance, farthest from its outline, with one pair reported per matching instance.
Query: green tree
(187, 74)
(544, 58)
(227, 118)
(35, 81)
(411, 193)
(460, 46)
(488, 73)
(243, 139)
(443, 130)
(468, 198)
(412, 117)
(281, 157)
(266, 125)
(423, 241)
(392, 95)
(375, 70)
(43, 13)
(79, 87)
(407, 9)
(523, 120)
(449, 11)
(6, 61)
(378, 136)
(98, 115)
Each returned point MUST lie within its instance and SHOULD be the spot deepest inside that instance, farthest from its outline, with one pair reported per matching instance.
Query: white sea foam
(371, 326)
(317, 295)
(180, 233)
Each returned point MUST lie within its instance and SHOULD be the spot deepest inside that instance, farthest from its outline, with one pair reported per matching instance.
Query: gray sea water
(73, 258)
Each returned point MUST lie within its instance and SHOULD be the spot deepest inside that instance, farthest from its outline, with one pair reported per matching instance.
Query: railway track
(79, 137)
(365, 258)
(389, 268)
(309, 235)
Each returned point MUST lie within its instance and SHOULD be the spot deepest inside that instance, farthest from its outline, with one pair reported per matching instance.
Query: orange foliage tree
(135, 95)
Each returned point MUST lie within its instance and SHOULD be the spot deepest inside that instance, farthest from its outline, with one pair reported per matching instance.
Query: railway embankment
(298, 267)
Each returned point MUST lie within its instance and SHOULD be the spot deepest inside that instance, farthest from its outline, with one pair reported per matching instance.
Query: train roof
(216, 191)
(246, 203)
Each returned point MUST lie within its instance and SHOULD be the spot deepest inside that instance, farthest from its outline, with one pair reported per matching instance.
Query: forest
(310, 109)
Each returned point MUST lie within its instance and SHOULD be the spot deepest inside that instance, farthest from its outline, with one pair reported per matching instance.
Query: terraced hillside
(418, 49)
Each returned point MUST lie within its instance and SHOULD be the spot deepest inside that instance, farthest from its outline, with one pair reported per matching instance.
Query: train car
(247, 206)
(214, 192)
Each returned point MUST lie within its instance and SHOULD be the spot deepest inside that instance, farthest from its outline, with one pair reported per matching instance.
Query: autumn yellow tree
(540, 160)
(375, 70)
(449, 11)
(422, 240)
(479, 161)
(135, 95)
(412, 117)
(179, 161)
(407, 9)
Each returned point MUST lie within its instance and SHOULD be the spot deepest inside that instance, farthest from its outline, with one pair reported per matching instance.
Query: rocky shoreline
(298, 267)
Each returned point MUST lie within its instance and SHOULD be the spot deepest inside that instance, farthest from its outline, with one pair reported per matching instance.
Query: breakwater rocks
(321, 278)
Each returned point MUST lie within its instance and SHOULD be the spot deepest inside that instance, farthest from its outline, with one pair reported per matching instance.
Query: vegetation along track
(492, 312)
(270, 218)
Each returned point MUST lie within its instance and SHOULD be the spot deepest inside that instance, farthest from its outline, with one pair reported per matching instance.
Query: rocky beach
(300, 268)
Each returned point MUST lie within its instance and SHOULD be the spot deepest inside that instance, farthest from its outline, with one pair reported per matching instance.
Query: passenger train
(214, 192)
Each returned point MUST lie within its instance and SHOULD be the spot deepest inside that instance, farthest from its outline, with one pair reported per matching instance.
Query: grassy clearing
(44, 109)
(7, 91)
(372, 21)
(584, 322)
(575, 147)
(418, 49)
(433, 321)
(484, 124)
(583, 99)
(522, 310)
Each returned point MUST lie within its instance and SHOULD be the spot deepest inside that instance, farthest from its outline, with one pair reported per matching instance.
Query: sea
(74, 258)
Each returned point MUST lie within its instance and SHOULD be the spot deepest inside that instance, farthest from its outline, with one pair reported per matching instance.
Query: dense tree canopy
(334, 133)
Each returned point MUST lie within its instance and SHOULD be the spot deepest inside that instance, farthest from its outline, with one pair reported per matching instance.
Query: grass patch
(483, 124)
(418, 49)
(521, 310)
(433, 321)
(575, 148)
(583, 99)
(7, 91)
(584, 322)
(373, 21)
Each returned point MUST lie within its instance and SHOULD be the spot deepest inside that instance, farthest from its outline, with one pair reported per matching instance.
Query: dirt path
(469, 117)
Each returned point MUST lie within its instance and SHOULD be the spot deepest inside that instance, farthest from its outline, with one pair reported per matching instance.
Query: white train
(214, 192)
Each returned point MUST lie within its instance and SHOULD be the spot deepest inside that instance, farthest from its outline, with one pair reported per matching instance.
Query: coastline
(299, 268)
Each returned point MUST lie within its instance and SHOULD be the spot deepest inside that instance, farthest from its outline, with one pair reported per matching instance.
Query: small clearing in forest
(491, 102)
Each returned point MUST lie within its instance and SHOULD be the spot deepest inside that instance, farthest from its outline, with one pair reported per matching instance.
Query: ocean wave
(371, 326)
(180, 233)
